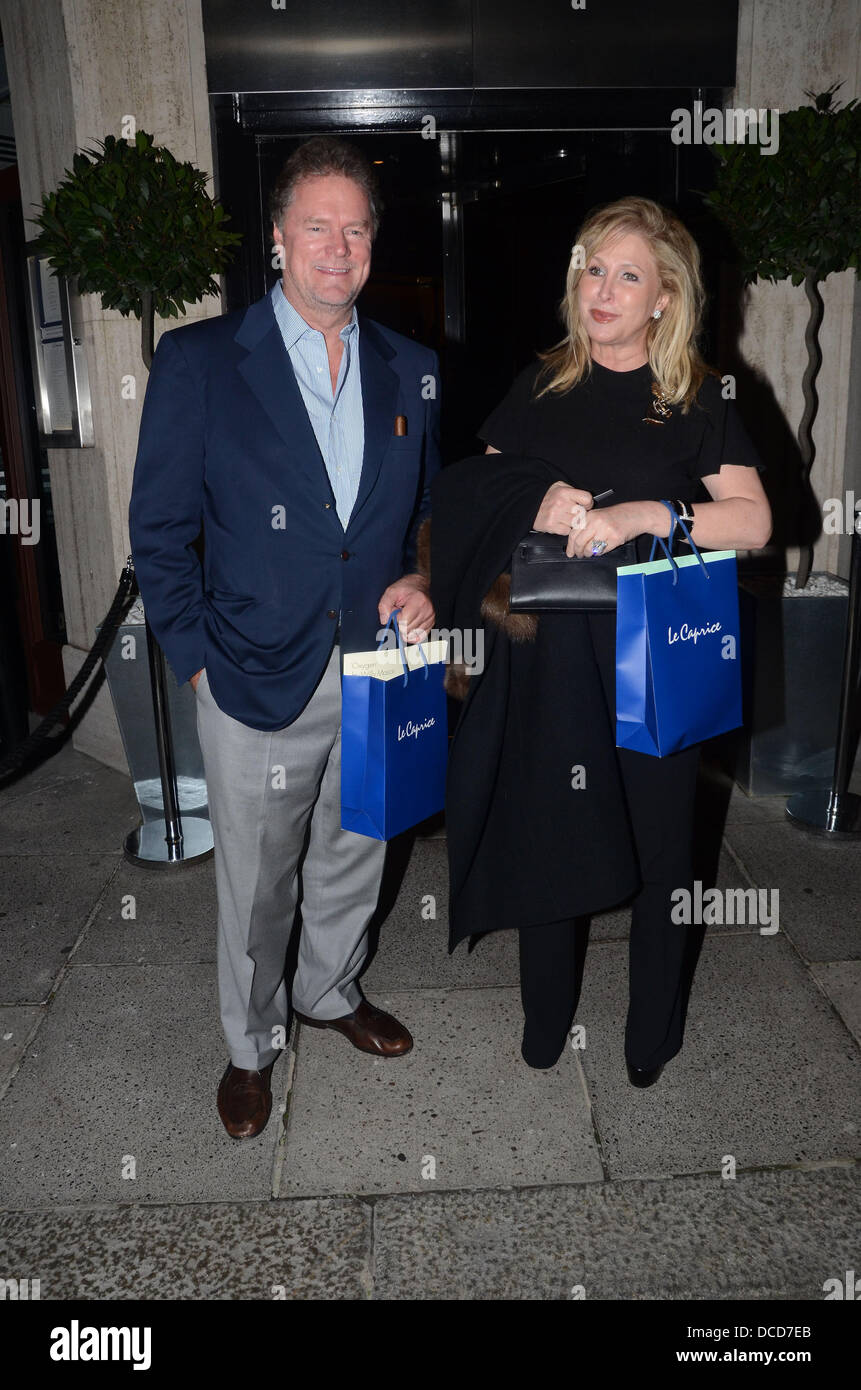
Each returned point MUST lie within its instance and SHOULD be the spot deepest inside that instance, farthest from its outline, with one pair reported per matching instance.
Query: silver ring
(598, 547)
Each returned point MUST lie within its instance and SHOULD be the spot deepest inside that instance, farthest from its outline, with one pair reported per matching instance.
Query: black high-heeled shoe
(643, 1076)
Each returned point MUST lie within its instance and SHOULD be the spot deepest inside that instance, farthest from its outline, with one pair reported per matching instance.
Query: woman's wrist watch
(685, 511)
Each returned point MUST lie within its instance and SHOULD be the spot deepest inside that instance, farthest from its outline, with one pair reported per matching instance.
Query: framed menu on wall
(60, 381)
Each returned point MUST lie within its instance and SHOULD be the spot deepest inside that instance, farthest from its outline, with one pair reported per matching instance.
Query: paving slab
(415, 882)
(127, 1057)
(463, 1105)
(754, 810)
(413, 946)
(841, 980)
(768, 1073)
(764, 1235)
(45, 901)
(412, 950)
(88, 813)
(415, 956)
(264, 1250)
(819, 883)
(16, 1025)
(63, 765)
(175, 917)
(126, 1066)
(721, 799)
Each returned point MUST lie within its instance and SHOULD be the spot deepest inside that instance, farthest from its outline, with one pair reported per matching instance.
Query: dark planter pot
(792, 661)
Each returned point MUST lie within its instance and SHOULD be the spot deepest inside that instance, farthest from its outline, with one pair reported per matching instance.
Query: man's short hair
(321, 155)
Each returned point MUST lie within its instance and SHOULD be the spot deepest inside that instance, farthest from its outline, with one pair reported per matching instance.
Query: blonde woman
(547, 820)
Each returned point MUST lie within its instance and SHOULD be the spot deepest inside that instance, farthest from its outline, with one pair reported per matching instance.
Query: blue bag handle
(659, 540)
(687, 535)
(689, 538)
(390, 622)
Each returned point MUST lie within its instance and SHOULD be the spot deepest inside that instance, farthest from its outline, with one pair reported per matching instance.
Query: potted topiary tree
(136, 226)
(794, 214)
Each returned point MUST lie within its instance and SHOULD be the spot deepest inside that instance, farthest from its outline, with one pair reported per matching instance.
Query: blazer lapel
(379, 403)
(268, 372)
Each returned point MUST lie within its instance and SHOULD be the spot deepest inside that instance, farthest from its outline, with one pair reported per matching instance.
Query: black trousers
(660, 794)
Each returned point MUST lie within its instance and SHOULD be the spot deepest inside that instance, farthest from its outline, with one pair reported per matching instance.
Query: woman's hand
(617, 524)
(563, 507)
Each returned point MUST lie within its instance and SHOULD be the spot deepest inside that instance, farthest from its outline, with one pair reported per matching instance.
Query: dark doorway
(405, 290)
(523, 195)
(31, 619)
(476, 235)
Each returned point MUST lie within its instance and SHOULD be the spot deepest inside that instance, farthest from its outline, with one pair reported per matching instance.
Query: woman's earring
(656, 314)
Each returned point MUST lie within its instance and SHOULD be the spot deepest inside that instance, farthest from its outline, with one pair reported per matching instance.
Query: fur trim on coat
(495, 608)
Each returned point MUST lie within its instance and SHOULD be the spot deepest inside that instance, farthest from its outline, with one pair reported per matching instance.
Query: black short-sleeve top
(596, 435)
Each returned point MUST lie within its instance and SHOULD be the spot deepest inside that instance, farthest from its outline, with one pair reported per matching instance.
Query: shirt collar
(292, 324)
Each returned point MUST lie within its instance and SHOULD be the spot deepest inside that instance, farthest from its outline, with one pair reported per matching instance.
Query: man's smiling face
(326, 240)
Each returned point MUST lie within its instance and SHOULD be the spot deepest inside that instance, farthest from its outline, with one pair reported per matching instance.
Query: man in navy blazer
(301, 438)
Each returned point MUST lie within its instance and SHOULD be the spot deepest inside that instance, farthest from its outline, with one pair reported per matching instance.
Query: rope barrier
(114, 616)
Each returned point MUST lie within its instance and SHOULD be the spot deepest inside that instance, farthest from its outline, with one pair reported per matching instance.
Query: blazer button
(328, 506)
(332, 613)
(345, 554)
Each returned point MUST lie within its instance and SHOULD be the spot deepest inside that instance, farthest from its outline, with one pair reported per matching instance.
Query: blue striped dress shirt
(337, 418)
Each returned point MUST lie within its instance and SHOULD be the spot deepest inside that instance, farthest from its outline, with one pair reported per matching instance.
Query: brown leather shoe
(245, 1100)
(368, 1029)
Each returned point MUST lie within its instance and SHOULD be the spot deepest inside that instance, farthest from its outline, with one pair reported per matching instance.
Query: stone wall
(77, 68)
(783, 50)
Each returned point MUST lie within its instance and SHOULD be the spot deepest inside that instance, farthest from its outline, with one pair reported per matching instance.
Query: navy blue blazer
(226, 445)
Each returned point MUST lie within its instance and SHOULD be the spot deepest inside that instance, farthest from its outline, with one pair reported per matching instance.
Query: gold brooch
(662, 411)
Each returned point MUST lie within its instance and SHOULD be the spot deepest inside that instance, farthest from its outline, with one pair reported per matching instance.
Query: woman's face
(618, 293)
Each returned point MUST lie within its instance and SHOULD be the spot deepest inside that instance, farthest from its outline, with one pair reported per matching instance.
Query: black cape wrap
(530, 838)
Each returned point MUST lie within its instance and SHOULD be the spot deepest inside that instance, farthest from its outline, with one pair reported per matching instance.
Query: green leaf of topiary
(127, 216)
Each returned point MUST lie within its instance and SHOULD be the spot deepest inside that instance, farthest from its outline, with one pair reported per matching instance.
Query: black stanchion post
(164, 745)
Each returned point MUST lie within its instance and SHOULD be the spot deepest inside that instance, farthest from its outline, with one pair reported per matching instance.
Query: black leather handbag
(545, 580)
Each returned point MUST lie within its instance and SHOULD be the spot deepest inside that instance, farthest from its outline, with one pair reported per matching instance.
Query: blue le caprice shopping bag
(394, 737)
(678, 676)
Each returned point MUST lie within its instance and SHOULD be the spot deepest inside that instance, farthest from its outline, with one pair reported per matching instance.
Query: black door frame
(242, 121)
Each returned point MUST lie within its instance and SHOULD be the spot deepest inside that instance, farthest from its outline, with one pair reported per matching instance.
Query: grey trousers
(264, 789)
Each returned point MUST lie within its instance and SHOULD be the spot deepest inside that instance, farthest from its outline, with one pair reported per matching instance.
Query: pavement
(455, 1172)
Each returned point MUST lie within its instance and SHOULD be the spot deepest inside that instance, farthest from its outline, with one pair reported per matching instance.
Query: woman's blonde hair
(671, 341)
